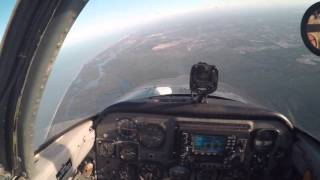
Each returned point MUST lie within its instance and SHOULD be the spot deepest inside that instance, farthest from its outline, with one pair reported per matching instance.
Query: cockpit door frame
(32, 41)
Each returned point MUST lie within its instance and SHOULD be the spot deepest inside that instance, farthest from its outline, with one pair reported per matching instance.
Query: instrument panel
(155, 147)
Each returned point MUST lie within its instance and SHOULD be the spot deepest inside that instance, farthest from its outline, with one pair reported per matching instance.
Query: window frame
(32, 41)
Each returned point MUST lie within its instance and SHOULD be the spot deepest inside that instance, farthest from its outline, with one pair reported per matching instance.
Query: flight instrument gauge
(265, 140)
(152, 135)
(127, 128)
(128, 151)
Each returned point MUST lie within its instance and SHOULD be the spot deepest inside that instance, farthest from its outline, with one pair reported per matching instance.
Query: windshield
(5, 12)
(124, 49)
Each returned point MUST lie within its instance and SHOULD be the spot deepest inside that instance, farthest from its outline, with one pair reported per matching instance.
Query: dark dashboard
(171, 138)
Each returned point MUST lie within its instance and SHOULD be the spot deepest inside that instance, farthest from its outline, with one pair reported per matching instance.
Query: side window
(6, 9)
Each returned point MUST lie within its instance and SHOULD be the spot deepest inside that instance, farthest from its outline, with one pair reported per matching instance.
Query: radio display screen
(208, 144)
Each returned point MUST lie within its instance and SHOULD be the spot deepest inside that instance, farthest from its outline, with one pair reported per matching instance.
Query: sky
(101, 17)
(6, 7)
(110, 16)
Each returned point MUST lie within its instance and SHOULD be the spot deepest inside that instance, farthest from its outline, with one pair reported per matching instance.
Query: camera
(203, 79)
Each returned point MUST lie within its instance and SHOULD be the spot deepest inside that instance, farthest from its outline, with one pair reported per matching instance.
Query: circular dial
(152, 135)
(127, 128)
(207, 174)
(128, 151)
(265, 140)
(106, 149)
(150, 171)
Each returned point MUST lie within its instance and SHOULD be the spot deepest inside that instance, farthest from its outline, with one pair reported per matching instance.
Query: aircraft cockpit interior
(159, 90)
(192, 137)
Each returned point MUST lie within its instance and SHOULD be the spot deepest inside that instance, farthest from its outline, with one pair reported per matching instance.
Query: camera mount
(203, 81)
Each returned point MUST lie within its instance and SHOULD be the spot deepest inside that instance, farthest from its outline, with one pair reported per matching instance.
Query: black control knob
(179, 173)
